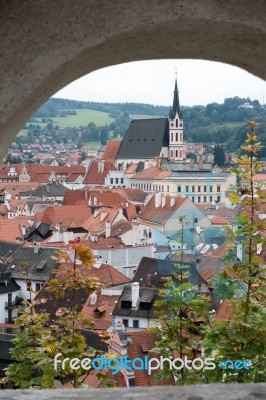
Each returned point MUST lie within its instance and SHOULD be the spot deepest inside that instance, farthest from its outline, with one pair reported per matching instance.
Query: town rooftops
(111, 150)
(164, 211)
(144, 138)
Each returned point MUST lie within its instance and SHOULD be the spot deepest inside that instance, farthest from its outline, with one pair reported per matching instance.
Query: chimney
(107, 229)
(172, 201)
(93, 298)
(200, 163)
(99, 166)
(163, 201)
(191, 162)
(102, 166)
(47, 188)
(36, 248)
(135, 294)
(157, 199)
(95, 201)
(148, 280)
(239, 251)
(23, 230)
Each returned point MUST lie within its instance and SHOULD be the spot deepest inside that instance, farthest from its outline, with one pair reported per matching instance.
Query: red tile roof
(111, 150)
(132, 168)
(141, 346)
(64, 214)
(105, 304)
(132, 195)
(152, 173)
(219, 220)
(161, 214)
(224, 311)
(10, 229)
(94, 177)
(96, 223)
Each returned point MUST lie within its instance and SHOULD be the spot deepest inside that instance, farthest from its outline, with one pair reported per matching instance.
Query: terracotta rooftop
(96, 223)
(219, 220)
(64, 214)
(161, 214)
(10, 229)
(104, 306)
(132, 195)
(132, 168)
(120, 227)
(224, 311)
(111, 150)
(94, 177)
(141, 346)
(152, 173)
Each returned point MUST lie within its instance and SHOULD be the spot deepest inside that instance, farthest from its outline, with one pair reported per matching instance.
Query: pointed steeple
(176, 105)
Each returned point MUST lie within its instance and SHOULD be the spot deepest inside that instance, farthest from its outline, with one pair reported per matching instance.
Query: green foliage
(243, 336)
(37, 343)
(180, 327)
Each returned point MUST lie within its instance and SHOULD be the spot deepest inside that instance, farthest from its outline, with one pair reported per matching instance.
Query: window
(198, 188)
(198, 199)
(205, 188)
(218, 188)
(193, 189)
(196, 220)
(176, 137)
(38, 287)
(179, 189)
(167, 188)
(126, 304)
(122, 181)
(172, 138)
(193, 199)
(210, 188)
(135, 323)
(187, 188)
(218, 199)
(125, 322)
(112, 180)
(205, 199)
(116, 181)
(210, 198)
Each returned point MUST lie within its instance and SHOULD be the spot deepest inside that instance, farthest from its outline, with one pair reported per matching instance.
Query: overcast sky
(152, 82)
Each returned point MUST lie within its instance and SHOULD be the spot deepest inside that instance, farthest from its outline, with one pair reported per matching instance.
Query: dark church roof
(144, 139)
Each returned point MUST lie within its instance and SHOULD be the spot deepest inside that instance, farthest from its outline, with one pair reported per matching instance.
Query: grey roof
(50, 190)
(147, 295)
(41, 263)
(186, 167)
(8, 284)
(158, 269)
(7, 249)
(144, 138)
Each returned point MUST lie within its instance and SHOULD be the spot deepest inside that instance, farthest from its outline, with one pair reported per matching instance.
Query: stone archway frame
(46, 44)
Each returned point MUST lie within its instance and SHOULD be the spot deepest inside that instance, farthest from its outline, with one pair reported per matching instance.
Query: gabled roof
(142, 344)
(111, 150)
(147, 295)
(144, 139)
(151, 272)
(161, 214)
(10, 229)
(50, 190)
(41, 263)
(152, 173)
(132, 195)
(120, 227)
(94, 177)
(96, 223)
(64, 215)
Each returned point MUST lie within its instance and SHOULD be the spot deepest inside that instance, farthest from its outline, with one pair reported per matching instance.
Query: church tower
(176, 145)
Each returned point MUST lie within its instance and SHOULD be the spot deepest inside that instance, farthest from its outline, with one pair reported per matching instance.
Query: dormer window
(126, 304)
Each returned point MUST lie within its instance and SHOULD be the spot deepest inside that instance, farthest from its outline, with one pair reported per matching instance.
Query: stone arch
(45, 45)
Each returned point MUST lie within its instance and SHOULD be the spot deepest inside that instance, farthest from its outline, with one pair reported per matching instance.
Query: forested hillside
(218, 123)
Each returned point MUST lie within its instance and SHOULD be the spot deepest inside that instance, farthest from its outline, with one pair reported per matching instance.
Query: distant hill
(219, 123)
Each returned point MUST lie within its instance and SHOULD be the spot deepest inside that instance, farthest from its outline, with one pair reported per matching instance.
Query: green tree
(37, 343)
(243, 336)
(219, 156)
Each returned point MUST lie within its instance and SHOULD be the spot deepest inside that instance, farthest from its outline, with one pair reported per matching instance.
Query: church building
(150, 140)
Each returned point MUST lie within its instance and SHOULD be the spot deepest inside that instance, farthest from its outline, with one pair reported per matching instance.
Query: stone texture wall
(202, 392)
(47, 44)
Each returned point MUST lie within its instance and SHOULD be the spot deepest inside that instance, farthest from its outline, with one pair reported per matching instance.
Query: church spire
(176, 105)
